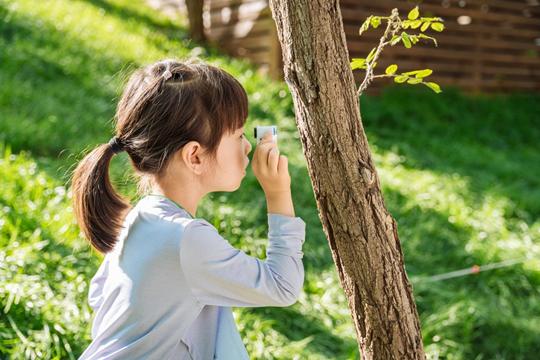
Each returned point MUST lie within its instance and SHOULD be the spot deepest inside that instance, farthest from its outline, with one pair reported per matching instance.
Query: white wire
(472, 270)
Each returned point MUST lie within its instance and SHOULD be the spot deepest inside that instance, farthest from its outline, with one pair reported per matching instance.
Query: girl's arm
(219, 274)
(280, 203)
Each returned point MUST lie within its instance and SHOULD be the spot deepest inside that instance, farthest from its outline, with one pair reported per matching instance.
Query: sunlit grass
(44, 265)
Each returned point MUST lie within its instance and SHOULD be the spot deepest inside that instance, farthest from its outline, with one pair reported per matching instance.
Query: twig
(391, 29)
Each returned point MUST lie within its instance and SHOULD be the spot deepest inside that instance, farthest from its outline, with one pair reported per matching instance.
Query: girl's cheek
(247, 146)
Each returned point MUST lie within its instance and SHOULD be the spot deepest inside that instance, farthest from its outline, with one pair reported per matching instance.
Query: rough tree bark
(195, 17)
(362, 235)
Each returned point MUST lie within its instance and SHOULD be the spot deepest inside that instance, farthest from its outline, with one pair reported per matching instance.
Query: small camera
(259, 132)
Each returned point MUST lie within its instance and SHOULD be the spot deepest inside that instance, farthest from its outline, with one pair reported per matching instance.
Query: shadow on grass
(492, 141)
(430, 243)
(297, 326)
(170, 30)
(492, 314)
(51, 104)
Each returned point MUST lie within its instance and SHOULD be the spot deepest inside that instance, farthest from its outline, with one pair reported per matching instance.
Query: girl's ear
(192, 156)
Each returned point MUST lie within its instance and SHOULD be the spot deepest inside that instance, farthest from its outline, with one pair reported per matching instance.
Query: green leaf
(375, 22)
(437, 26)
(358, 63)
(406, 40)
(413, 14)
(424, 73)
(433, 86)
(424, 26)
(413, 38)
(400, 78)
(414, 81)
(365, 25)
(371, 55)
(395, 39)
(411, 72)
(415, 24)
(391, 69)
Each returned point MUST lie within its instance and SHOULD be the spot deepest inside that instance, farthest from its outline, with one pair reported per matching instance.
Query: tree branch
(391, 28)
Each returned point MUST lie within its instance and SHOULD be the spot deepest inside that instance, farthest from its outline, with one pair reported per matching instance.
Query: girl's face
(232, 161)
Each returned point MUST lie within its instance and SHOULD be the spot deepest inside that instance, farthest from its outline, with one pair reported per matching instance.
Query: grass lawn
(460, 175)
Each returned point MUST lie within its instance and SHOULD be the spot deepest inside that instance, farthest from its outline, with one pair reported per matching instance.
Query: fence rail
(497, 51)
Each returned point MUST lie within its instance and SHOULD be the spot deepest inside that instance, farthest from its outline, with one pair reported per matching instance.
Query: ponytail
(98, 208)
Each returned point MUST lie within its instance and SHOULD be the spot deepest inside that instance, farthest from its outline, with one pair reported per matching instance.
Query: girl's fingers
(260, 156)
(282, 164)
(273, 159)
(262, 151)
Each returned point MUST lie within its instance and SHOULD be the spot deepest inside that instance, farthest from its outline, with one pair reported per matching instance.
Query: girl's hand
(270, 168)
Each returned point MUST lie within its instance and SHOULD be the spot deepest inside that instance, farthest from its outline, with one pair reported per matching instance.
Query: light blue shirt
(167, 288)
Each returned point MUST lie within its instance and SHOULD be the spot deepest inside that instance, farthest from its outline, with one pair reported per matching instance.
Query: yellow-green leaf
(411, 72)
(358, 63)
(424, 73)
(437, 26)
(413, 14)
(406, 40)
(415, 24)
(424, 26)
(365, 25)
(401, 78)
(414, 81)
(433, 86)
(395, 40)
(375, 22)
(391, 69)
(371, 55)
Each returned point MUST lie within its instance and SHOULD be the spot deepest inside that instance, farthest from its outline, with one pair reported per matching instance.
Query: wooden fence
(487, 46)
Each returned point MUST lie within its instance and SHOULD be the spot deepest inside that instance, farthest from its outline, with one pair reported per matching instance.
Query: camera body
(259, 132)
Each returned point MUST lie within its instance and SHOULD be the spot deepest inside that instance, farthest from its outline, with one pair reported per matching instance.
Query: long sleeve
(219, 274)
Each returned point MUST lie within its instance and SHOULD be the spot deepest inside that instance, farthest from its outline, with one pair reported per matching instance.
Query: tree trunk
(361, 233)
(195, 17)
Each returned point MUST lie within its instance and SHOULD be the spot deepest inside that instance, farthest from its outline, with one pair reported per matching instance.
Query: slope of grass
(460, 175)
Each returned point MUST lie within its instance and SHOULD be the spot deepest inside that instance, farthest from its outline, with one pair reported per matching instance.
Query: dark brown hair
(163, 106)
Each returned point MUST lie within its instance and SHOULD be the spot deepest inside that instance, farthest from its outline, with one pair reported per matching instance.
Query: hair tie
(167, 74)
(116, 145)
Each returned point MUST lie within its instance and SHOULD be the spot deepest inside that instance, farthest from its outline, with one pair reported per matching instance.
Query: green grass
(459, 174)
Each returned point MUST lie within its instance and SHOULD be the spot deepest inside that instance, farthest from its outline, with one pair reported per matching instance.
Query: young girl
(168, 279)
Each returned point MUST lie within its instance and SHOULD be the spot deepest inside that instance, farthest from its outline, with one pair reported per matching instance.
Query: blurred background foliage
(459, 173)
